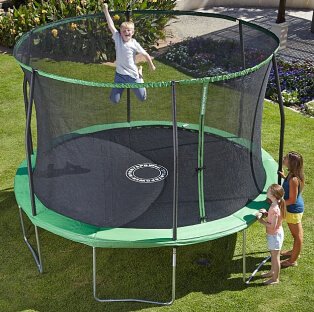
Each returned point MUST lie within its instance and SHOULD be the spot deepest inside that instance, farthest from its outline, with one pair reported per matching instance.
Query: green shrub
(17, 21)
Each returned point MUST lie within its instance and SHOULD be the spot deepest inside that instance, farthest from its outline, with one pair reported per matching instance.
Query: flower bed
(296, 81)
(201, 57)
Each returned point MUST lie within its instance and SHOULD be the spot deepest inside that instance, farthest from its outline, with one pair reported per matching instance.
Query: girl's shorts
(275, 241)
(293, 218)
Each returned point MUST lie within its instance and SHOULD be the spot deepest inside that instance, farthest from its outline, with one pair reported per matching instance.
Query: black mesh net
(111, 164)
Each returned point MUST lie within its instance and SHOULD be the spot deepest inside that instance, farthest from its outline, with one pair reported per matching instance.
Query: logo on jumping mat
(146, 173)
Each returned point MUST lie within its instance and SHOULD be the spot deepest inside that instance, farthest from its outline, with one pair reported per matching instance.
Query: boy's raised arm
(109, 19)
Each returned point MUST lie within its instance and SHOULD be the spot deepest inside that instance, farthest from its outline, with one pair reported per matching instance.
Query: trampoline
(183, 167)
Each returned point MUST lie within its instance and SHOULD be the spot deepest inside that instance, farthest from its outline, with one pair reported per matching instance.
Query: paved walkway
(300, 43)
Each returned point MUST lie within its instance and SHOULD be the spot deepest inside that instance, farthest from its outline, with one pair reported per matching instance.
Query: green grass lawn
(66, 282)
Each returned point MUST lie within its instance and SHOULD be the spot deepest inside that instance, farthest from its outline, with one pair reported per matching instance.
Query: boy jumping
(126, 49)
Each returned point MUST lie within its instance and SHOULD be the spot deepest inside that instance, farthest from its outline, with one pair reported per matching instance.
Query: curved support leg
(131, 299)
(36, 255)
(257, 269)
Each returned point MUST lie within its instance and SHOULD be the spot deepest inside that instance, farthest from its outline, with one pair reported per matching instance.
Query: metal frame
(282, 117)
(36, 255)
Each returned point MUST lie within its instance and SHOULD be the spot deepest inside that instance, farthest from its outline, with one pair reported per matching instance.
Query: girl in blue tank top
(293, 185)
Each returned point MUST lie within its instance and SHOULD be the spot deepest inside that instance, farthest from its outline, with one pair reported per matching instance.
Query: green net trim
(154, 84)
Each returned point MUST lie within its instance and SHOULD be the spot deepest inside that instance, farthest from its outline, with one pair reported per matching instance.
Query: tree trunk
(281, 12)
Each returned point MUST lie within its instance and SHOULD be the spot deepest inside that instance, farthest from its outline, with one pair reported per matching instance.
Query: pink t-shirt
(274, 212)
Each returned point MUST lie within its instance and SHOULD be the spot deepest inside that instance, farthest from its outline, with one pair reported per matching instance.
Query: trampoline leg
(174, 255)
(244, 255)
(36, 256)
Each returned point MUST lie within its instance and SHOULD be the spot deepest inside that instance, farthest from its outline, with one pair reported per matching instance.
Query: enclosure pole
(27, 146)
(242, 79)
(175, 160)
(128, 91)
(244, 255)
(175, 185)
(200, 161)
(242, 44)
(282, 117)
(30, 141)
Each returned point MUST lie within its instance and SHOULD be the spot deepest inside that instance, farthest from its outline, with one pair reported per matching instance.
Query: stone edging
(290, 108)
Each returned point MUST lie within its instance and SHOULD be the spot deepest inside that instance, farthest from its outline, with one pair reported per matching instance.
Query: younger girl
(293, 185)
(274, 229)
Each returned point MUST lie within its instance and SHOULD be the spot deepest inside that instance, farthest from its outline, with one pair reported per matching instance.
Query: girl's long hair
(295, 161)
(278, 192)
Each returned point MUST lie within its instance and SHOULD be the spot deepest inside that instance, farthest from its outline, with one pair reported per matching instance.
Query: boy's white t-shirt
(125, 55)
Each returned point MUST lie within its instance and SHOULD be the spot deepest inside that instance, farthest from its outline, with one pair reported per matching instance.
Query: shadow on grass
(6, 194)
(128, 273)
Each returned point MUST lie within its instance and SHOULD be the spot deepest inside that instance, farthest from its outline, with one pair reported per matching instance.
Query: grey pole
(244, 255)
(36, 256)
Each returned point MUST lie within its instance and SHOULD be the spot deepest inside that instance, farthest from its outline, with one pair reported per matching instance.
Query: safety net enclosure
(187, 160)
